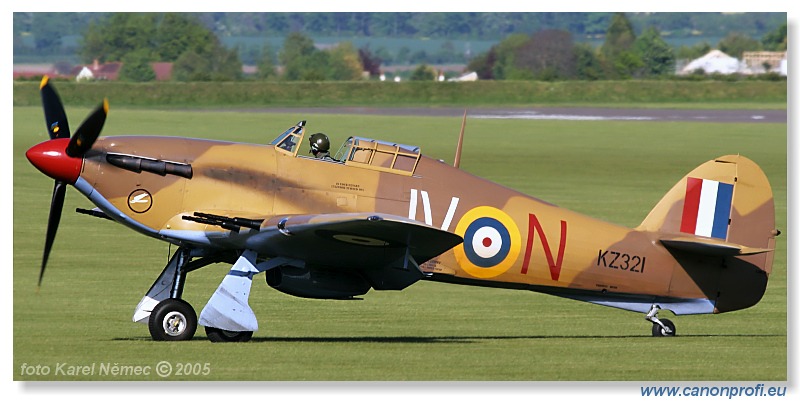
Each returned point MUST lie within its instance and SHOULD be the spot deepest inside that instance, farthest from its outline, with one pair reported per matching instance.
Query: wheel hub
(174, 323)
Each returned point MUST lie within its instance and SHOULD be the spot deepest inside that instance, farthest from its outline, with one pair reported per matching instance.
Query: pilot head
(319, 143)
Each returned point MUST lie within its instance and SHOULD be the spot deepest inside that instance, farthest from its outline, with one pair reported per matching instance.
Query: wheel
(227, 336)
(666, 331)
(172, 320)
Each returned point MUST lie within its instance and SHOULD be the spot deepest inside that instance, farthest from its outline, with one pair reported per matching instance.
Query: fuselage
(510, 239)
(380, 215)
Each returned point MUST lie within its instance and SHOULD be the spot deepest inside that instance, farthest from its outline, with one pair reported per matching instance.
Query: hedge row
(486, 93)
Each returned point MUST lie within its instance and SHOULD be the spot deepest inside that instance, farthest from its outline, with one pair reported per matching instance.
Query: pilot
(320, 146)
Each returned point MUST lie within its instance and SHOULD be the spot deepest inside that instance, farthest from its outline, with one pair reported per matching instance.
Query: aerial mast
(457, 160)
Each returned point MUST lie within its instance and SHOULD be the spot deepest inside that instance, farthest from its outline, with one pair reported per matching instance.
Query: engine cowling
(316, 283)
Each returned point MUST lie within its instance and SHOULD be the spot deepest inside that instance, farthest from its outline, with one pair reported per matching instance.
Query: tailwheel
(172, 320)
(665, 329)
(227, 336)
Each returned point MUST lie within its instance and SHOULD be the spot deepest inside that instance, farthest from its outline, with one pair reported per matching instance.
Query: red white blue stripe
(707, 208)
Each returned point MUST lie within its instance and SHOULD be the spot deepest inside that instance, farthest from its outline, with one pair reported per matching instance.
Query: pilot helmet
(319, 143)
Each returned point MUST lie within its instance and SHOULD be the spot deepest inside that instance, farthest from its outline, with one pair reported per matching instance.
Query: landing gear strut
(174, 319)
(661, 327)
(169, 318)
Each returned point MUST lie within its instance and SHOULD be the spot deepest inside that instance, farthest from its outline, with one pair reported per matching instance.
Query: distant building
(471, 76)
(765, 62)
(163, 70)
(714, 61)
(97, 71)
(249, 70)
(34, 70)
(110, 71)
(84, 75)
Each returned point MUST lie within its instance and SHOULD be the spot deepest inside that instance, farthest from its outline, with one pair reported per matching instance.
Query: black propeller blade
(54, 115)
(56, 205)
(88, 131)
(79, 144)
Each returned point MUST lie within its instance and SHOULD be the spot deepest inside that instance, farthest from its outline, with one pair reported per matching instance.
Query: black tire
(227, 336)
(659, 331)
(172, 320)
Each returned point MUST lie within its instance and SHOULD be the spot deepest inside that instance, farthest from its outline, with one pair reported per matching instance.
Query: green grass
(617, 171)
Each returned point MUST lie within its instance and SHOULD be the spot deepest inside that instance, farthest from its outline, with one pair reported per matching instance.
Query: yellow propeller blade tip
(45, 79)
(105, 105)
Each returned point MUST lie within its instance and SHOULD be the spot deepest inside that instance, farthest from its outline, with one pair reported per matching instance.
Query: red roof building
(33, 70)
(163, 70)
(105, 71)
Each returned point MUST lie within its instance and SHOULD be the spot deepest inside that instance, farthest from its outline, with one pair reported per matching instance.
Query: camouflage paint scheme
(385, 216)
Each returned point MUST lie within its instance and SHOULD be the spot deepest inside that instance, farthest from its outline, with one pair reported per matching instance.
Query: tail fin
(724, 208)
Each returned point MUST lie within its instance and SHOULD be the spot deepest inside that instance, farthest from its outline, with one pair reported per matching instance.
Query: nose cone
(51, 158)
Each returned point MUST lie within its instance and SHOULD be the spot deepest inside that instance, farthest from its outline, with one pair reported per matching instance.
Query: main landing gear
(170, 318)
(226, 336)
(661, 327)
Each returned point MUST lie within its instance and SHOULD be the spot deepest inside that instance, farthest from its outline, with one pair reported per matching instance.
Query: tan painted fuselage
(510, 239)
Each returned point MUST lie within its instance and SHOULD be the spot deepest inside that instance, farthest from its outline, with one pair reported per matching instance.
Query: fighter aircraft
(382, 216)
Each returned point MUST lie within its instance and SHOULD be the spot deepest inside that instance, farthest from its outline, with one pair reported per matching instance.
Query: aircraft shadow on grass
(453, 339)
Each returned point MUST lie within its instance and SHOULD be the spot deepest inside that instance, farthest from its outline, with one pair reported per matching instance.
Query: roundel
(140, 201)
(491, 242)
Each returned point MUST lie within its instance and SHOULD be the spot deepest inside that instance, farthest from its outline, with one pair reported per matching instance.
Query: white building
(714, 61)
(759, 62)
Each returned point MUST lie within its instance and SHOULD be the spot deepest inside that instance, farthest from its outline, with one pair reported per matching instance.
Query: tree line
(50, 27)
(139, 39)
(551, 54)
(197, 54)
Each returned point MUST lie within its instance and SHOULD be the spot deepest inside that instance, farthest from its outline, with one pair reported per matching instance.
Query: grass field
(617, 171)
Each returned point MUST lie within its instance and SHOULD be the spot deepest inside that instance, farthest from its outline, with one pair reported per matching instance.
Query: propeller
(56, 205)
(54, 115)
(61, 161)
(88, 131)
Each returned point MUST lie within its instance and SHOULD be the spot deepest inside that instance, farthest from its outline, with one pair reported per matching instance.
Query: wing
(385, 249)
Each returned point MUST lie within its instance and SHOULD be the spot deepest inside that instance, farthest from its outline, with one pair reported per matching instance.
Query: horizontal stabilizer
(710, 247)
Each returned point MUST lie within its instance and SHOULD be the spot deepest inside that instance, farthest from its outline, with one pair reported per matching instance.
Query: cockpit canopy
(359, 152)
(291, 138)
(379, 155)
